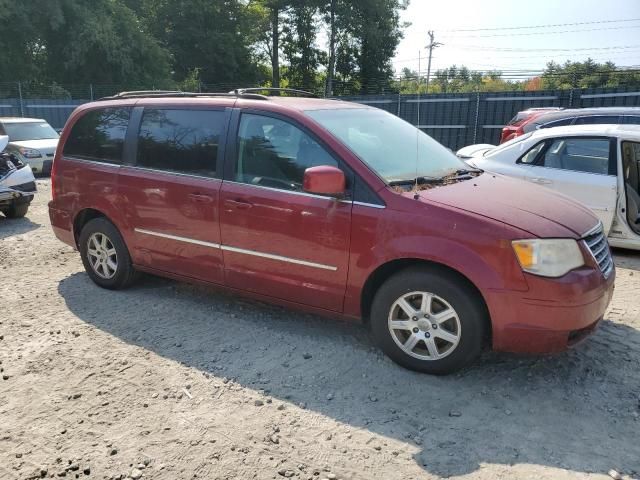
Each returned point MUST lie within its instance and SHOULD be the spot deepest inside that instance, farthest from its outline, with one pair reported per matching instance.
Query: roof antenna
(415, 187)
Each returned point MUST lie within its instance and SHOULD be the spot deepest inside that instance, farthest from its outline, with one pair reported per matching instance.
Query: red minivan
(333, 207)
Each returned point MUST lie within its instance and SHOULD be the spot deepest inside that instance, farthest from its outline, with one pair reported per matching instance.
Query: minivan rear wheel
(428, 320)
(105, 256)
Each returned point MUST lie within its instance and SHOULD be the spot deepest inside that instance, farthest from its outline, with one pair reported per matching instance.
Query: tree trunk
(332, 50)
(275, 47)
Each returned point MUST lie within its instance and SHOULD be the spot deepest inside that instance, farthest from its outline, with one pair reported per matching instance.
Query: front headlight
(548, 257)
(29, 152)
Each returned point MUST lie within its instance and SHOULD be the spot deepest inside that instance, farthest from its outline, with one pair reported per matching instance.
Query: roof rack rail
(292, 91)
(178, 93)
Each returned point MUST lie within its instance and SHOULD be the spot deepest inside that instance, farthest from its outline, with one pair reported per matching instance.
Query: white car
(598, 165)
(17, 184)
(32, 140)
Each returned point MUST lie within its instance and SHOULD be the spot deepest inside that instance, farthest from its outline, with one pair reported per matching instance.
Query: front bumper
(553, 315)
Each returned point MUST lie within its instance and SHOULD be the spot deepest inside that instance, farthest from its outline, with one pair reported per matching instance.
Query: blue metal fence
(455, 120)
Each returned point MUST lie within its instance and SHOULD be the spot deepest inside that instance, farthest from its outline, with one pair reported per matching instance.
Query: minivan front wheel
(428, 320)
(105, 256)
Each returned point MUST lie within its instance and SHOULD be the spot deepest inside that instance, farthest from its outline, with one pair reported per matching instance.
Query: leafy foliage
(190, 43)
(587, 74)
(74, 41)
(454, 79)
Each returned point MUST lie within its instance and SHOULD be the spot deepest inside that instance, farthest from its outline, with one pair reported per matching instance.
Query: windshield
(393, 148)
(508, 144)
(22, 131)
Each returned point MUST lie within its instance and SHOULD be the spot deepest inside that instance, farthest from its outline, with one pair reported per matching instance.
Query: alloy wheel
(424, 325)
(102, 255)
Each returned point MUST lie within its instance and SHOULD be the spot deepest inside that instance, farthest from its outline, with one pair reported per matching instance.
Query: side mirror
(324, 180)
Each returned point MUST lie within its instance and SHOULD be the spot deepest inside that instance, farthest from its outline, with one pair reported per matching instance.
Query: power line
(602, 56)
(509, 49)
(524, 27)
(542, 33)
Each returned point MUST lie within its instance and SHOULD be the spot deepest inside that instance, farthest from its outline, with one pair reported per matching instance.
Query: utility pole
(432, 44)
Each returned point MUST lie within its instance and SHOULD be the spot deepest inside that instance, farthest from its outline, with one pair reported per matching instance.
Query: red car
(516, 125)
(333, 207)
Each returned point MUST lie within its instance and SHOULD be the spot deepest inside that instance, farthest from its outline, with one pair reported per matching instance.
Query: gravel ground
(172, 381)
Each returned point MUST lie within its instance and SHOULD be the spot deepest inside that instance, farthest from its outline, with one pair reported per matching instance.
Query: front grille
(25, 187)
(597, 244)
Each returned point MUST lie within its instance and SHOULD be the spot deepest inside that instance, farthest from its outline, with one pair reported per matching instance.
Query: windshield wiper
(461, 174)
(418, 180)
(468, 171)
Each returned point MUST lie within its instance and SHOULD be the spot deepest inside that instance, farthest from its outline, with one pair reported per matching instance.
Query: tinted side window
(598, 119)
(182, 141)
(589, 155)
(631, 119)
(99, 135)
(274, 153)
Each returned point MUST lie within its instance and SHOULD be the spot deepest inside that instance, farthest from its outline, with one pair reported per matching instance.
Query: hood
(48, 145)
(19, 176)
(3, 142)
(532, 208)
(474, 150)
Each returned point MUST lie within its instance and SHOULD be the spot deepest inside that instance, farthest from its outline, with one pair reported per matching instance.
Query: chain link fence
(455, 120)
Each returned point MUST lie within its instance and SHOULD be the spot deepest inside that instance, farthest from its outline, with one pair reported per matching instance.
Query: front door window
(274, 153)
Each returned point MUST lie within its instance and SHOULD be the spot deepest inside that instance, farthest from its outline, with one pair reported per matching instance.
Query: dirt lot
(172, 381)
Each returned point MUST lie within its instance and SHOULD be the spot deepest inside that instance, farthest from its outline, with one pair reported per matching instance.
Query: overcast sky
(531, 46)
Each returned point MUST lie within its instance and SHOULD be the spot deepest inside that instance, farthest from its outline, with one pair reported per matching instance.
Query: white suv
(33, 141)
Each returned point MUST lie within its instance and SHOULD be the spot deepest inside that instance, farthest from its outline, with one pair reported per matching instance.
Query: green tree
(299, 45)
(587, 74)
(74, 41)
(270, 32)
(378, 31)
(214, 36)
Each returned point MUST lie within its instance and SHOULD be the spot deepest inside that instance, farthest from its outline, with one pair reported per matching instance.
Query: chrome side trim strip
(292, 192)
(237, 250)
(91, 162)
(372, 205)
(170, 172)
(177, 238)
(280, 258)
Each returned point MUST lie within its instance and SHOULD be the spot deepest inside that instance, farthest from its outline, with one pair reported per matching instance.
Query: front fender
(476, 247)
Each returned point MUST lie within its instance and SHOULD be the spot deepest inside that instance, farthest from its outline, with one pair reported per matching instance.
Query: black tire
(16, 210)
(124, 274)
(470, 309)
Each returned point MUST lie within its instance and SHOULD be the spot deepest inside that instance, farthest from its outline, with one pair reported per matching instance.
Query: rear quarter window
(99, 135)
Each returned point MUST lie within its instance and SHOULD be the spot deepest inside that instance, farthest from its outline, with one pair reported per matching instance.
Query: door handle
(239, 204)
(200, 198)
(541, 181)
